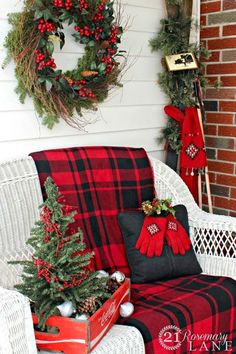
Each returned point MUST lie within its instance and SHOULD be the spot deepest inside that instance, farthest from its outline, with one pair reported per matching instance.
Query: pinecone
(88, 305)
(113, 285)
(88, 73)
(105, 44)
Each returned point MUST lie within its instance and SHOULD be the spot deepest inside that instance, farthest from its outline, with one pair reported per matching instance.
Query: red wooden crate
(82, 336)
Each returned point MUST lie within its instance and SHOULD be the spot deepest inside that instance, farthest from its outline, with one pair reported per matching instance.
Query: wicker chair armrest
(16, 327)
(213, 236)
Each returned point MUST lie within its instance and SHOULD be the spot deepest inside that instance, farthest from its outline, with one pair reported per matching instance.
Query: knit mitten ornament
(176, 236)
(151, 238)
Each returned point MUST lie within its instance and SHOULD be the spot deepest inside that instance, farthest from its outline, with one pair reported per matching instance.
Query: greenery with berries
(157, 206)
(31, 44)
(60, 268)
(173, 38)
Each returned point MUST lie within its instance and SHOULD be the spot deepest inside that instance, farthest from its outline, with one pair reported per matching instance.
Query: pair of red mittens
(156, 229)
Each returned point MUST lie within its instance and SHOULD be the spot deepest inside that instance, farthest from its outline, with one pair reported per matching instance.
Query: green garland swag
(173, 38)
(30, 43)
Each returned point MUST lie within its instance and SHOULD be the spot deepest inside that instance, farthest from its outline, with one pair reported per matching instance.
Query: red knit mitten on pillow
(151, 238)
(176, 236)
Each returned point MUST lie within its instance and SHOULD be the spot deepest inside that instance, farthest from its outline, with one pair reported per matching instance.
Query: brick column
(218, 33)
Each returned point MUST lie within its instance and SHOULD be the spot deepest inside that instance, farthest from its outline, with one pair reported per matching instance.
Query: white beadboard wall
(131, 116)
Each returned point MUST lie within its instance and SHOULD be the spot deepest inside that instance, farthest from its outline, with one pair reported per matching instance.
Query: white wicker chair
(213, 239)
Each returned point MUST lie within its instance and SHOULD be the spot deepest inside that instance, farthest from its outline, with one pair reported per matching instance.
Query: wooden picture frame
(181, 61)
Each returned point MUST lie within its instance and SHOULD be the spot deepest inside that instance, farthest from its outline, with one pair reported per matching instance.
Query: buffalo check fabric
(100, 182)
(198, 306)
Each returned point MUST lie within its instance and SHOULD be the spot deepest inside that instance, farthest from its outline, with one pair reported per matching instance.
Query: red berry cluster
(68, 5)
(113, 35)
(80, 82)
(84, 92)
(44, 273)
(109, 63)
(83, 5)
(73, 282)
(49, 63)
(111, 51)
(45, 212)
(44, 26)
(97, 33)
(59, 3)
(99, 16)
(41, 263)
(84, 31)
(39, 56)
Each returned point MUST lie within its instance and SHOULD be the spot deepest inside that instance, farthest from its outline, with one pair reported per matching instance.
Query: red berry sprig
(99, 16)
(49, 63)
(110, 63)
(111, 51)
(40, 56)
(83, 5)
(58, 3)
(80, 82)
(84, 92)
(45, 26)
(44, 273)
(68, 5)
(113, 35)
(85, 31)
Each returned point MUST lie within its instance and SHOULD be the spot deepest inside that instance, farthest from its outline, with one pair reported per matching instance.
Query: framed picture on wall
(182, 61)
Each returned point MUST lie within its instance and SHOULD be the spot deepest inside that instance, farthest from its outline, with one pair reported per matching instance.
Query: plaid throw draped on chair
(198, 305)
(100, 182)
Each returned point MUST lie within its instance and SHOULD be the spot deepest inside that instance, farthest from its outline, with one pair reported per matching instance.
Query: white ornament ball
(126, 309)
(66, 309)
(102, 274)
(82, 317)
(118, 276)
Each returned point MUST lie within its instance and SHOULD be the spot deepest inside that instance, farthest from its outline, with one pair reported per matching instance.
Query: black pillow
(169, 265)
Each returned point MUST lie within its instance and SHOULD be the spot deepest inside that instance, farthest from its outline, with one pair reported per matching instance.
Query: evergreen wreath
(30, 43)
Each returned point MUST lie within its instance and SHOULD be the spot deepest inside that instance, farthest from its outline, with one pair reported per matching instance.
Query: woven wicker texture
(20, 196)
(16, 328)
(119, 340)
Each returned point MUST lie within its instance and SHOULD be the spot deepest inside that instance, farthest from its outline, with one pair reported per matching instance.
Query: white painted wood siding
(131, 116)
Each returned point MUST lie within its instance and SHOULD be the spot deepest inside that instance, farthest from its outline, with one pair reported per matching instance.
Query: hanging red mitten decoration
(176, 236)
(151, 238)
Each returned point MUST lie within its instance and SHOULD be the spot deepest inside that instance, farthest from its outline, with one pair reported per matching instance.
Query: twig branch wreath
(31, 44)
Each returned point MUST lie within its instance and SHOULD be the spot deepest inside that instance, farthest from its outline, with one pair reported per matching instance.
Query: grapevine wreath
(31, 44)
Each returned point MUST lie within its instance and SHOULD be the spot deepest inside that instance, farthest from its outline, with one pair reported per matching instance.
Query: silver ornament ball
(126, 309)
(118, 276)
(66, 309)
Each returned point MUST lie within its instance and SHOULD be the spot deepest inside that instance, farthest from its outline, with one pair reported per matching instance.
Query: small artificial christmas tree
(59, 269)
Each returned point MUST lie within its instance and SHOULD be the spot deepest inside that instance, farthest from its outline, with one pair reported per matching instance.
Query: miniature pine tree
(58, 270)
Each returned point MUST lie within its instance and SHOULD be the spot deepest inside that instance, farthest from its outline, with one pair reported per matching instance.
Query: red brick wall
(218, 34)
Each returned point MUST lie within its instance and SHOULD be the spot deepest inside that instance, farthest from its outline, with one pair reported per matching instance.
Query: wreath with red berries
(31, 43)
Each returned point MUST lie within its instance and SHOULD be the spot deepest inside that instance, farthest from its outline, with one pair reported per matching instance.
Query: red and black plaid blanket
(100, 182)
(192, 314)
